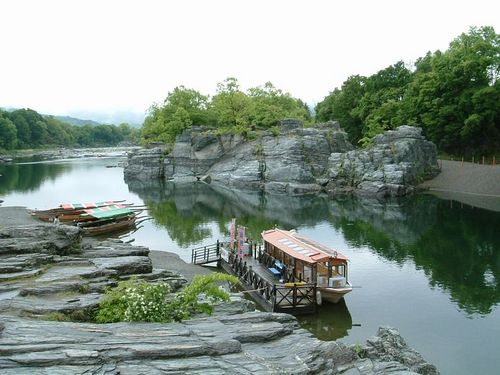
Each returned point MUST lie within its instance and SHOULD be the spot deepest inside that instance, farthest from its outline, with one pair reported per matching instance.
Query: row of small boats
(95, 218)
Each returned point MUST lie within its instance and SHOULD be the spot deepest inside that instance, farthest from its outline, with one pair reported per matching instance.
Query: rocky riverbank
(48, 272)
(296, 160)
(68, 153)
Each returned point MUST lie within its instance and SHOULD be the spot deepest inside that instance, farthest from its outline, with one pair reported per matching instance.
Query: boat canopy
(108, 212)
(81, 206)
(300, 247)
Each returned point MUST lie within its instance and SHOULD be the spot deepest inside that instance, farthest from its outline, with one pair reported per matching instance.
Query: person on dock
(56, 220)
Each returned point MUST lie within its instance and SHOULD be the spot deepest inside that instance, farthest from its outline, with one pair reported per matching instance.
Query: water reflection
(28, 177)
(332, 321)
(456, 246)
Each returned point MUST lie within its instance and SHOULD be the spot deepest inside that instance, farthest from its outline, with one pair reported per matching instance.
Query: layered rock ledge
(296, 160)
(48, 271)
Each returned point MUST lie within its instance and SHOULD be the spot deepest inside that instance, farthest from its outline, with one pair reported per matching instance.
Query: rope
(253, 290)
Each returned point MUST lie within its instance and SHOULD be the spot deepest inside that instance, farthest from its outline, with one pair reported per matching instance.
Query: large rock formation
(147, 164)
(396, 162)
(295, 160)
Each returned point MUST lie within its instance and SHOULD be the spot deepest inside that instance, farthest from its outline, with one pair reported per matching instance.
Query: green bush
(134, 300)
(138, 301)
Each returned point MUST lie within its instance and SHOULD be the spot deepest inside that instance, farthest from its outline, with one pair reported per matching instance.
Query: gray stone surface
(248, 343)
(294, 161)
(148, 163)
(38, 238)
(397, 161)
(46, 269)
(297, 160)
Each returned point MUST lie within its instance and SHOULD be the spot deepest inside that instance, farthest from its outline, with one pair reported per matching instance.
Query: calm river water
(427, 266)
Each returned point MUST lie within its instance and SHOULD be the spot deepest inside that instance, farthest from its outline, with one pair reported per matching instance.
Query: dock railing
(293, 298)
(206, 254)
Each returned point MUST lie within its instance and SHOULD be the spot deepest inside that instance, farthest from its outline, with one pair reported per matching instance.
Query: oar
(143, 220)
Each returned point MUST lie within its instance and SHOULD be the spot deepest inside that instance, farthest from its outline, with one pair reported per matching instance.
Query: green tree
(182, 108)
(83, 135)
(454, 94)
(231, 107)
(59, 133)
(8, 134)
(271, 105)
(342, 104)
(381, 106)
(22, 127)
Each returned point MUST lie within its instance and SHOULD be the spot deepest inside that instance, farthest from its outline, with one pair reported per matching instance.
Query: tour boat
(298, 258)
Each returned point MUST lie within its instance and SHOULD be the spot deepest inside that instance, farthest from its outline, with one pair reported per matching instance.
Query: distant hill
(134, 119)
(117, 117)
(76, 121)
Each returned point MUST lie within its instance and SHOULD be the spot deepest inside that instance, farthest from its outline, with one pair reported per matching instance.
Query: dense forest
(453, 95)
(25, 128)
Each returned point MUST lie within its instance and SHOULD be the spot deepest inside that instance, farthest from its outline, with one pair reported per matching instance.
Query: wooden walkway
(267, 290)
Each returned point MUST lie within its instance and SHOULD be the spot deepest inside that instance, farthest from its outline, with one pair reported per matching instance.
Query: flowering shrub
(139, 301)
(134, 301)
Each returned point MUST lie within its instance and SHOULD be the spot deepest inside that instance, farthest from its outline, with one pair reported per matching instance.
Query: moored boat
(116, 225)
(71, 211)
(300, 258)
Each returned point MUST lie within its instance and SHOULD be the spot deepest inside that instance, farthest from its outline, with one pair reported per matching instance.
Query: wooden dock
(270, 291)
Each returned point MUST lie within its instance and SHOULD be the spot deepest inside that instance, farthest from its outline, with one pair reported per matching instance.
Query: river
(427, 266)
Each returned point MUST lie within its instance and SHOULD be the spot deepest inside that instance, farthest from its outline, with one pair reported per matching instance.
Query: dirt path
(473, 184)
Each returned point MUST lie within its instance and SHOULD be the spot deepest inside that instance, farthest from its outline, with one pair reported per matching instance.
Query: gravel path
(474, 184)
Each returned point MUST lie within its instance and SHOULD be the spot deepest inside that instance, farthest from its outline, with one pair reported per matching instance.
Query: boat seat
(275, 272)
(278, 265)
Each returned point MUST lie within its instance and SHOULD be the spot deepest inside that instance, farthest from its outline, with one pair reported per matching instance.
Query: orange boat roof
(300, 247)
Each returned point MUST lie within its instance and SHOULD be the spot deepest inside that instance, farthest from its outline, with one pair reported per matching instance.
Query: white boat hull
(333, 295)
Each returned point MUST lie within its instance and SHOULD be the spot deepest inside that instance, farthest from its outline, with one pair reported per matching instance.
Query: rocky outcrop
(397, 161)
(254, 342)
(295, 160)
(145, 164)
(45, 269)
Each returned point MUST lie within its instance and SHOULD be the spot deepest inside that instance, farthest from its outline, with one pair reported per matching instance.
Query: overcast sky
(65, 57)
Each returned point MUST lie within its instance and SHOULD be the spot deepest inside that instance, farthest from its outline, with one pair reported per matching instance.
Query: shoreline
(472, 184)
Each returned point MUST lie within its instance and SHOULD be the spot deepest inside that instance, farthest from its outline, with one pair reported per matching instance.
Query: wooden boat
(116, 225)
(296, 258)
(71, 211)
